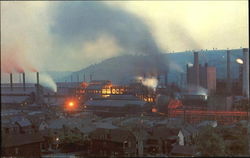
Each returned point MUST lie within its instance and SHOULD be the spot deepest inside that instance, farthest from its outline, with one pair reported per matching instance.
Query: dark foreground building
(21, 145)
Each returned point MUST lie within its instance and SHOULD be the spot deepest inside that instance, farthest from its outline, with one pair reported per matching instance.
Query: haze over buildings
(124, 79)
(50, 38)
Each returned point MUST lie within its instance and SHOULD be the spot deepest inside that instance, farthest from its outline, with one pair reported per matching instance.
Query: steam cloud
(151, 82)
(48, 82)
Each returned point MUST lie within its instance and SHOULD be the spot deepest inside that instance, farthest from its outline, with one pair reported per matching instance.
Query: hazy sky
(72, 35)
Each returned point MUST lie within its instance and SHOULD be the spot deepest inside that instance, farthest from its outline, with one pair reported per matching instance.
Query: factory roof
(68, 84)
(95, 87)
(100, 82)
(123, 97)
(13, 99)
(114, 103)
(17, 89)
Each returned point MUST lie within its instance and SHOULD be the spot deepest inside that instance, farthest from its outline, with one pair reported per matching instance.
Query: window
(7, 130)
(125, 144)
(16, 151)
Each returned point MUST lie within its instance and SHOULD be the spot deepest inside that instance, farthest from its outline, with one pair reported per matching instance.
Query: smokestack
(11, 82)
(37, 78)
(90, 77)
(196, 69)
(84, 79)
(24, 88)
(245, 75)
(228, 73)
(166, 79)
(187, 77)
(20, 78)
(37, 88)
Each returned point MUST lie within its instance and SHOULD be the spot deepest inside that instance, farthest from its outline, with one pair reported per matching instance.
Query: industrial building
(201, 76)
(115, 105)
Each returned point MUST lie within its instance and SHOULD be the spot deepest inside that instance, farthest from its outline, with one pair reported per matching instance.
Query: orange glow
(154, 110)
(71, 104)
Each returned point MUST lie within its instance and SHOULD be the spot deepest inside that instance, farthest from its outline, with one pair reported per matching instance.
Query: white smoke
(202, 91)
(150, 82)
(197, 90)
(47, 81)
(190, 64)
(44, 79)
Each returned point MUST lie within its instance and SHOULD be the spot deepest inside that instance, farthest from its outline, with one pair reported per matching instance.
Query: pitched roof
(183, 150)
(22, 121)
(11, 140)
(116, 135)
(13, 99)
(162, 132)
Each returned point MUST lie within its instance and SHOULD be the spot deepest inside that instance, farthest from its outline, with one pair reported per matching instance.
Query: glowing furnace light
(240, 61)
(154, 110)
(71, 104)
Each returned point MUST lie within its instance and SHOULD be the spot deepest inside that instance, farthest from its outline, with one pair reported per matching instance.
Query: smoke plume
(151, 82)
(78, 23)
(68, 36)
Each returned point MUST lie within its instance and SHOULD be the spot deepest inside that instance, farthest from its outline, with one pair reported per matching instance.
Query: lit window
(108, 91)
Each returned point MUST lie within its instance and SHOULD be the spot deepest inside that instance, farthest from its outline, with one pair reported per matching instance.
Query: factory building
(115, 105)
(201, 76)
(208, 77)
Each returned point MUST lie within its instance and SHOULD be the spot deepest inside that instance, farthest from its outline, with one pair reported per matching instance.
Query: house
(190, 134)
(161, 138)
(21, 145)
(43, 126)
(207, 123)
(9, 128)
(25, 125)
(112, 142)
(179, 150)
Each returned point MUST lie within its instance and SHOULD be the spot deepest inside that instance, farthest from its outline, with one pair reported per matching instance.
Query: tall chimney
(187, 77)
(20, 78)
(90, 77)
(24, 88)
(37, 78)
(78, 78)
(37, 88)
(166, 79)
(11, 82)
(245, 75)
(196, 69)
(229, 82)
